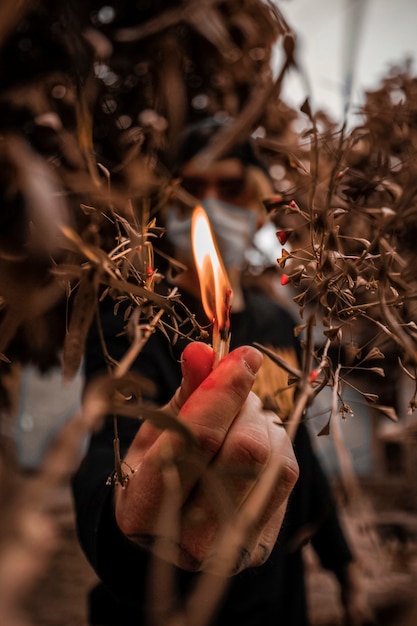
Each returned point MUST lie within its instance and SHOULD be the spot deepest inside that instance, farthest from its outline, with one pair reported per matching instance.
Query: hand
(237, 439)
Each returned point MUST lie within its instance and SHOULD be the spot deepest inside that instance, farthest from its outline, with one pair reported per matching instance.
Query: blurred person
(115, 525)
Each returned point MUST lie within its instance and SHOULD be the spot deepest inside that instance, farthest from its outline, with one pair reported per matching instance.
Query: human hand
(236, 439)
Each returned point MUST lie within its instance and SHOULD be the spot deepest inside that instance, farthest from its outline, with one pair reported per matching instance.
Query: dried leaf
(105, 392)
(374, 353)
(353, 351)
(305, 108)
(166, 421)
(370, 397)
(300, 297)
(377, 370)
(284, 257)
(388, 411)
(325, 430)
(332, 333)
(405, 370)
(299, 329)
(122, 396)
(366, 244)
(324, 299)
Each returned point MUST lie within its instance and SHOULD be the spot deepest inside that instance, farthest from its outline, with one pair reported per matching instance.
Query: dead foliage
(91, 112)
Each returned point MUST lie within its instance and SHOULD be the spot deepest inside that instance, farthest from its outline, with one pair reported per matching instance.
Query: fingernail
(253, 360)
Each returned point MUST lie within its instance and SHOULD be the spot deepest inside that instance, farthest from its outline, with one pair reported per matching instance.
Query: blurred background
(347, 47)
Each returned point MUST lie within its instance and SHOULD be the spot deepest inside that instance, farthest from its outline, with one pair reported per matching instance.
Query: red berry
(284, 279)
(313, 376)
(282, 236)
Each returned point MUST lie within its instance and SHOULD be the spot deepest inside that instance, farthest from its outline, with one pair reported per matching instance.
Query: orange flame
(216, 293)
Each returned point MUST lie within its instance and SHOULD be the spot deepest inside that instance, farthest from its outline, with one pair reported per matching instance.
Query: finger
(252, 443)
(256, 544)
(209, 412)
(283, 468)
(233, 472)
(196, 364)
(212, 408)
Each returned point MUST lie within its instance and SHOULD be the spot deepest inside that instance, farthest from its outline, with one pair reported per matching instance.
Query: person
(116, 526)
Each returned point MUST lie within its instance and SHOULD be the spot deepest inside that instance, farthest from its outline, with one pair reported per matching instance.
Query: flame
(216, 292)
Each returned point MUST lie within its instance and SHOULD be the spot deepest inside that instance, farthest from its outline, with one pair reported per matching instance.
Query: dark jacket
(272, 594)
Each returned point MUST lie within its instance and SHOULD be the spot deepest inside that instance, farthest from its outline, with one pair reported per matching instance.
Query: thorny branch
(85, 134)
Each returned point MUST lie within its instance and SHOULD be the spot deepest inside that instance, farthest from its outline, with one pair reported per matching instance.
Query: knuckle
(290, 471)
(257, 557)
(210, 437)
(239, 384)
(251, 447)
(262, 553)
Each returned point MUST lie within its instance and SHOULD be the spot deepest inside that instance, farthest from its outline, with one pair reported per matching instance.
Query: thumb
(197, 363)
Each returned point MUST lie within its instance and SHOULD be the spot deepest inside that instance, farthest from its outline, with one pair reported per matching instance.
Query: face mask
(233, 227)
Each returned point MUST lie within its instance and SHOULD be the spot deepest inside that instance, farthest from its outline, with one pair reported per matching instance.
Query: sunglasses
(227, 188)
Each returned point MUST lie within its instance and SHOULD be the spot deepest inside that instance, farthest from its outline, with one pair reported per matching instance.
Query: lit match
(216, 292)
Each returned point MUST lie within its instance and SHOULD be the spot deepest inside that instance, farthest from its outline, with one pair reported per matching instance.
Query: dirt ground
(59, 599)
